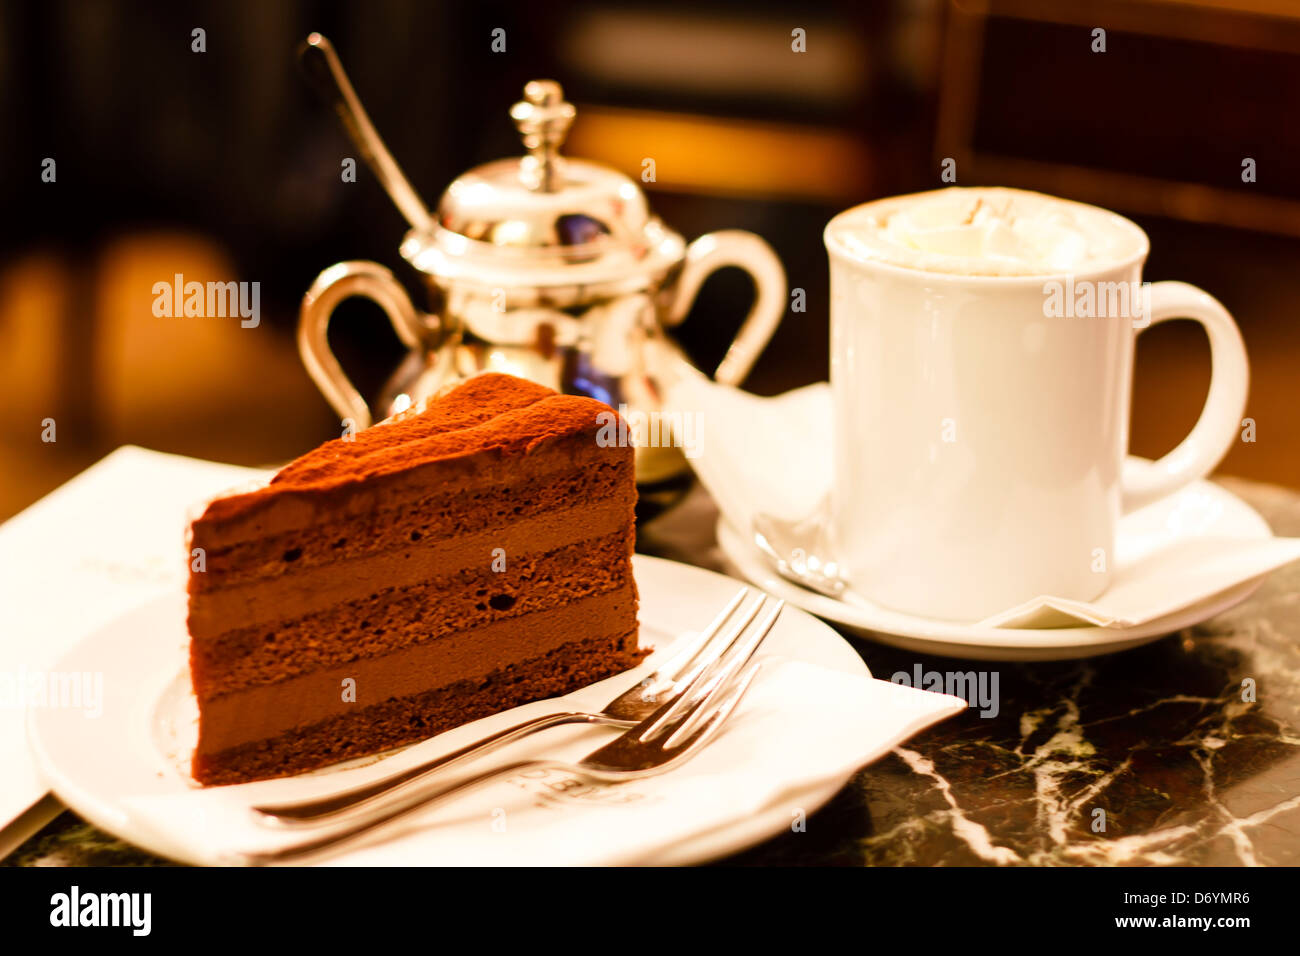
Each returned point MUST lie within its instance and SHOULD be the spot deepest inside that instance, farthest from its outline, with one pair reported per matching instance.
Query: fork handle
(373, 817)
(335, 805)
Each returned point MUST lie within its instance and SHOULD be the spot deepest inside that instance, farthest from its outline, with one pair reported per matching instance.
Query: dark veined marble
(1158, 739)
(1148, 757)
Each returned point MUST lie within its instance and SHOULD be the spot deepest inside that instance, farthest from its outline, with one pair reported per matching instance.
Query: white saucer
(1224, 514)
(106, 767)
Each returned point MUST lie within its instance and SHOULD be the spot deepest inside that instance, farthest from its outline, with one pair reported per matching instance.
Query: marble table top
(1154, 756)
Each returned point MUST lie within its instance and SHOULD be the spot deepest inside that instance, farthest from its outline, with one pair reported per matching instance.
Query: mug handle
(342, 281)
(1217, 428)
(735, 247)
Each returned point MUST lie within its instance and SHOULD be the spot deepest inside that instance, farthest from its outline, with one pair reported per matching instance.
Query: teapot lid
(542, 219)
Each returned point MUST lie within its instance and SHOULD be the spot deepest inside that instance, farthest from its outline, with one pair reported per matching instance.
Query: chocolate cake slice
(432, 570)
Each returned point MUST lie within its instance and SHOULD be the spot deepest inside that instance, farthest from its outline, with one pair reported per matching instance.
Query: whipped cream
(986, 231)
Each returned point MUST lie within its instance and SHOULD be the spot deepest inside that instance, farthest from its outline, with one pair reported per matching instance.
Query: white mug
(980, 434)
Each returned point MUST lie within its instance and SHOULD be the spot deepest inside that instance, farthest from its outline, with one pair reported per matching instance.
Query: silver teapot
(546, 267)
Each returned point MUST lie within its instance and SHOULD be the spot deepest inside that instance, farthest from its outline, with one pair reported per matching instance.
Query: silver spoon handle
(372, 818)
(323, 67)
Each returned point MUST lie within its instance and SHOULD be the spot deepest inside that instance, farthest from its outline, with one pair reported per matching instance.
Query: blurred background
(223, 165)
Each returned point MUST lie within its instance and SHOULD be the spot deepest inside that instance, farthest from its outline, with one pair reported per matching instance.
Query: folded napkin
(800, 727)
(773, 456)
(107, 541)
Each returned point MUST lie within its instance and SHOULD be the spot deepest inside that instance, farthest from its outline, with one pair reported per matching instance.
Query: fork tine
(684, 658)
(720, 677)
(700, 724)
(717, 645)
(716, 674)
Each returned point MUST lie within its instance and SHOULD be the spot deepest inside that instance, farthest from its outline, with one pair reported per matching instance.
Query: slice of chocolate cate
(437, 568)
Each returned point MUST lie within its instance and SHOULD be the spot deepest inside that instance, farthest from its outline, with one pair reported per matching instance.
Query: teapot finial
(543, 119)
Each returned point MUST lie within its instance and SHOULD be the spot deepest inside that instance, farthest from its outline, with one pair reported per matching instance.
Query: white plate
(138, 747)
(1227, 515)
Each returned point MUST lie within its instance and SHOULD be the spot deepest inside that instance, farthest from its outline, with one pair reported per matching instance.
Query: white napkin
(772, 455)
(110, 539)
(763, 762)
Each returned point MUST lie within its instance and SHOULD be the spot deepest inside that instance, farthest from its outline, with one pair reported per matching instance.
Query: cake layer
(402, 525)
(400, 617)
(405, 444)
(263, 603)
(265, 711)
(470, 403)
(392, 723)
(566, 428)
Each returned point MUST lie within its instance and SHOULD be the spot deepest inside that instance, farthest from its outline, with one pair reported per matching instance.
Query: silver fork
(635, 704)
(671, 735)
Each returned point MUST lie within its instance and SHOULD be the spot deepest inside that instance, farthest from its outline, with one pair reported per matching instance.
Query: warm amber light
(723, 156)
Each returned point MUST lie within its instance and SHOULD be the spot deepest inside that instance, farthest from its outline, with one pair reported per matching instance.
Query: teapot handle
(342, 281)
(735, 247)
